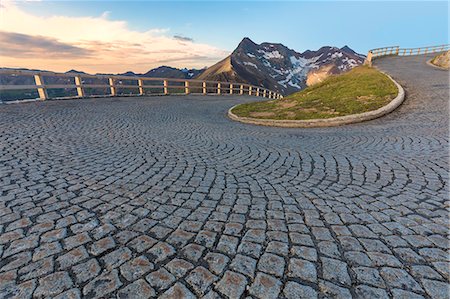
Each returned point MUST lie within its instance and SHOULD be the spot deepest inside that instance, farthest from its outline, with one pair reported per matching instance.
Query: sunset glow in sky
(117, 36)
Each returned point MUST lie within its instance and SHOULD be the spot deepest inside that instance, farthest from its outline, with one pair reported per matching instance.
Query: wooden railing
(142, 85)
(396, 50)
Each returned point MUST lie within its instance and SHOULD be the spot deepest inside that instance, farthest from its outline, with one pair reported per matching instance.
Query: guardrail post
(79, 84)
(204, 87)
(166, 85)
(241, 89)
(257, 92)
(368, 60)
(249, 90)
(264, 93)
(218, 88)
(112, 87)
(231, 88)
(397, 50)
(141, 86)
(41, 87)
(186, 87)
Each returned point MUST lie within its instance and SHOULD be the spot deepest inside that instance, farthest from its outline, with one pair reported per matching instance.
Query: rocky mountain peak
(279, 68)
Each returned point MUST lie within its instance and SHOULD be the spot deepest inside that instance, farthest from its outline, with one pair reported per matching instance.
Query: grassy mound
(360, 90)
(442, 60)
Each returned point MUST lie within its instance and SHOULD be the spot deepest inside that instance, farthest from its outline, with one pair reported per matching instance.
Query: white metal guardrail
(396, 50)
(142, 84)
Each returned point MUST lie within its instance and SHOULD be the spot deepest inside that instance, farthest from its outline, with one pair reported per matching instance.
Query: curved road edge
(329, 122)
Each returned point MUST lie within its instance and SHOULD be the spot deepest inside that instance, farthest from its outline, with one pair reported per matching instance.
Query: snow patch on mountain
(251, 64)
(337, 54)
(271, 55)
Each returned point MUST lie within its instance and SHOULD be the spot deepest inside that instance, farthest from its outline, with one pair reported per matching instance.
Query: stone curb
(329, 122)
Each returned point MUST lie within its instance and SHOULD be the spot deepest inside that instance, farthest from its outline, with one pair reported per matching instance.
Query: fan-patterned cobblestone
(166, 197)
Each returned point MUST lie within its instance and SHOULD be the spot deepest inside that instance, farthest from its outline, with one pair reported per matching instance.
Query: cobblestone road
(165, 196)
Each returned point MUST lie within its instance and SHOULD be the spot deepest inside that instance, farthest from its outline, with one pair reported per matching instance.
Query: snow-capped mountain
(279, 68)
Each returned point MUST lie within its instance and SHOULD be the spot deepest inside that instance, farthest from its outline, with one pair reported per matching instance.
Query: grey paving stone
(425, 272)
(200, 279)
(402, 294)
(293, 290)
(160, 279)
(335, 270)
(334, 291)
(135, 268)
(69, 294)
(72, 257)
(228, 244)
(192, 252)
(8, 278)
(54, 235)
(23, 290)
(250, 249)
(102, 285)
(179, 267)
(302, 269)
(272, 264)
(20, 245)
(363, 291)
(369, 276)
(102, 245)
(16, 261)
(399, 278)
(53, 284)
(86, 271)
(76, 240)
(436, 289)
(307, 253)
(216, 262)
(265, 286)
(232, 284)
(138, 289)
(244, 264)
(161, 251)
(178, 290)
(117, 257)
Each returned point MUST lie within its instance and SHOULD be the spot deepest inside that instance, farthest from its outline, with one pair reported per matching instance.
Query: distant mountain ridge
(165, 72)
(276, 67)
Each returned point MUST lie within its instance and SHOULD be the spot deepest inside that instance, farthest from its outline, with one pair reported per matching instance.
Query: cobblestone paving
(166, 197)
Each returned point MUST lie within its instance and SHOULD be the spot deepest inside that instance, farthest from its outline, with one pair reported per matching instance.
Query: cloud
(183, 38)
(96, 44)
(105, 14)
(26, 46)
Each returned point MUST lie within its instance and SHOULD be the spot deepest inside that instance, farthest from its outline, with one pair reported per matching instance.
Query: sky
(118, 36)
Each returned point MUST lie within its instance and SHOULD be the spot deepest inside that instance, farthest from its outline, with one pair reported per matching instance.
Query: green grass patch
(360, 90)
